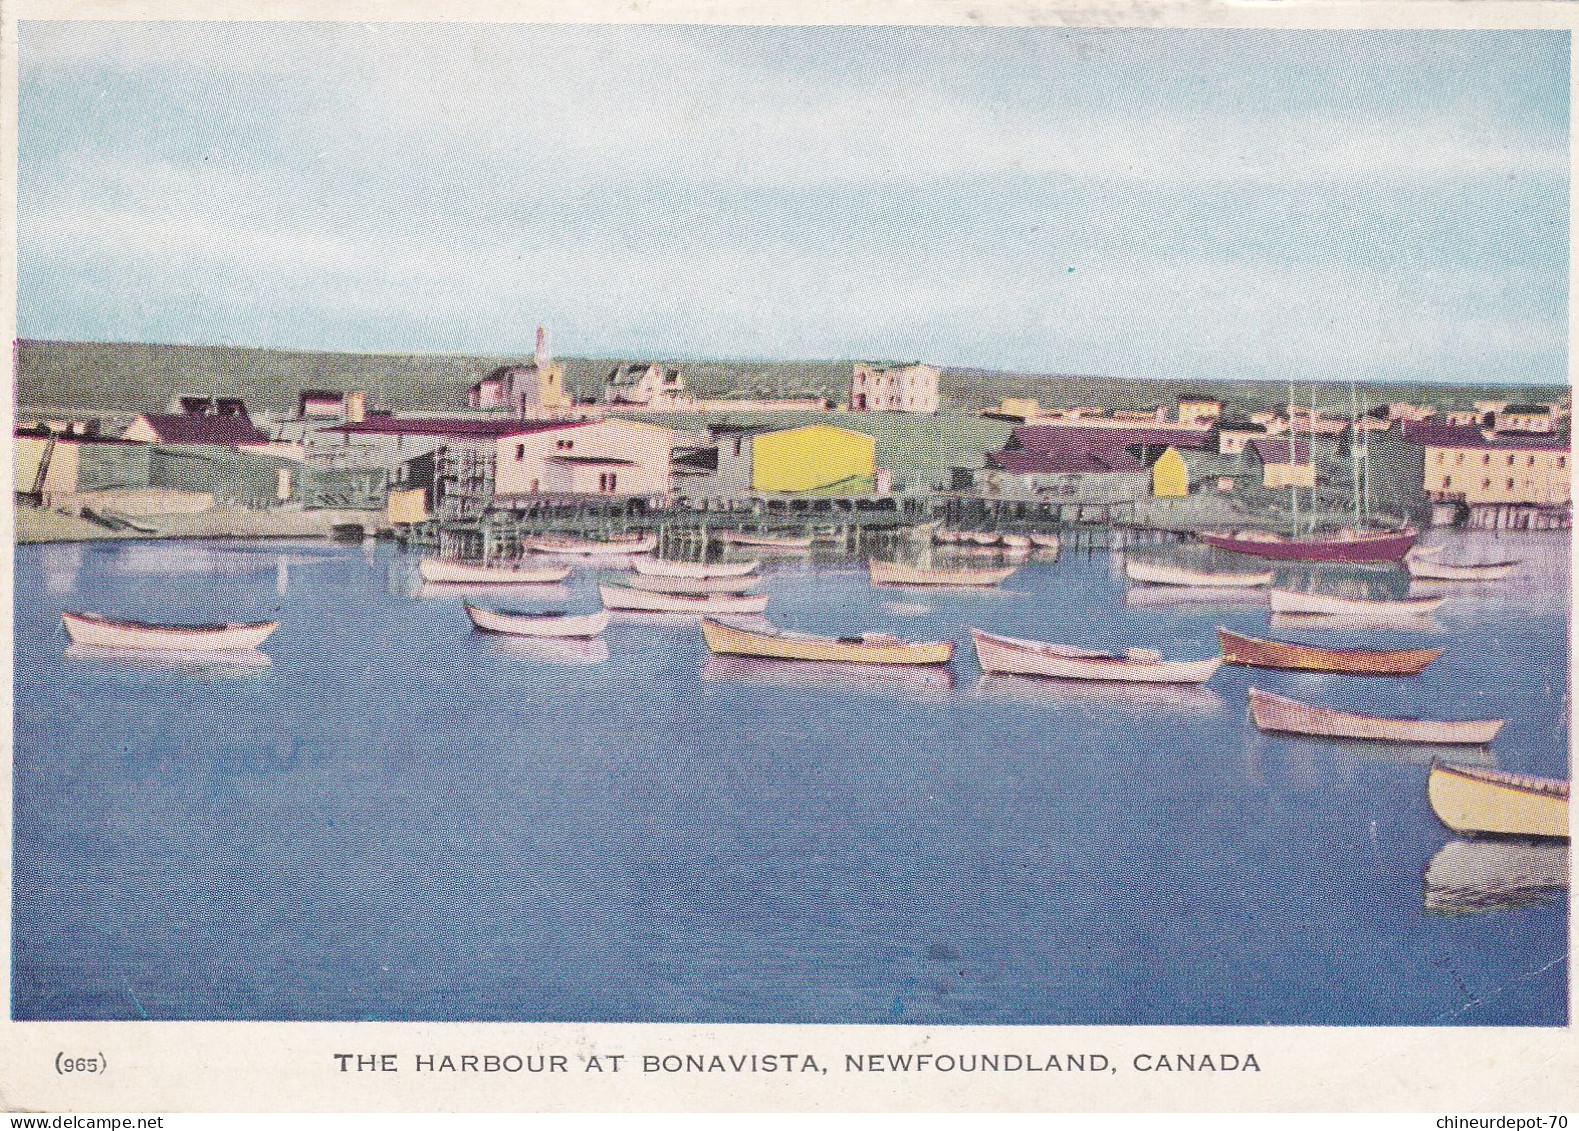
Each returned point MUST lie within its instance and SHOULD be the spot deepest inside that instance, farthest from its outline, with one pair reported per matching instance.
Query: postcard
(904, 559)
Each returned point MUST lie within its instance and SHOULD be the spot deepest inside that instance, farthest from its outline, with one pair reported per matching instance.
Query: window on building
(1441, 457)
(608, 482)
(1510, 484)
(1510, 461)
(1486, 484)
(1562, 461)
(1485, 458)
(1447, 482)
(1529, 461)
(520, 452)
(1459, 458)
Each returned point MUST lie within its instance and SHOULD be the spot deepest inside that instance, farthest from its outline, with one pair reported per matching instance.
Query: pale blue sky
(1193, 204)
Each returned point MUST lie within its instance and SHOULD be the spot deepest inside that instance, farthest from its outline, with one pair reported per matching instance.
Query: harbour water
(396, 818)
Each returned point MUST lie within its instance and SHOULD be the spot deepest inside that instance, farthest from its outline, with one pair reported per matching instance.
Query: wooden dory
(692, 586)
(1430, 570)
(1158, 574)
(776, 644)
(892, 573)
(592, 548)
(538, 624)
(1252, 652)
(1011, 656)
(102, 632)
(1490, 802)
(1274, 712)
(659, 567)
(1290, 601)
(641, 601)
(474, 573)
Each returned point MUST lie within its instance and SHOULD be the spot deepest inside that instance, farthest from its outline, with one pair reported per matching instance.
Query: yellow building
(407, 505)
(1284, 464)
(1170, 479)
(1480, 472)
(1199, 409)
(812, 458)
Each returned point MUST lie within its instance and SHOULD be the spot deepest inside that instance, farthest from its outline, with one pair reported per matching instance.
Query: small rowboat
(619, 545)
(692, 586)
(639, 600)
(947, 537)
(1425, 570)
(1290, 601)
(538, 624)
(1274, 712)
(474, 573)
(1490, 802)
(659, 567)
(724, 638)
(982, 538)
(1424, 551)
(1158, 574)
(1016, 544)
(1045, 542)
(767, 541)
(1008, 655)
(1251, 652)
(892, 573)
(102, 632)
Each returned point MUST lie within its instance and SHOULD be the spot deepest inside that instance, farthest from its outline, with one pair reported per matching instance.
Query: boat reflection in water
(1415, 753)
(905, 680)
(1205, 598)
(1468, 876)
(235, 662)
(1109, 695)
(515, 594)
(1346, 622)
(564, 650)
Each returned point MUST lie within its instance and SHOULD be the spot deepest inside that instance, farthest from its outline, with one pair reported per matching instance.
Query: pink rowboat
(474, 573)
(640, 601)
(660, 567)
(1007, 655)
(1362, 546)
(538, 624)
(1274, 712)
(102, 632)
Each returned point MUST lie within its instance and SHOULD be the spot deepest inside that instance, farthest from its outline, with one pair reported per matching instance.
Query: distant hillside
(116, 378)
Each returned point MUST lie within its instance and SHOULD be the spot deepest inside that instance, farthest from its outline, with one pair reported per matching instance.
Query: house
(529, 390)
(644, 384)
(1534, 419)
(896, 388)
(1284, 462)
(583, 457)
(1233, 436)
(817, 457)
(1198, 408)
(1018, 409)
(1170, 478)
(327, 404)
(202, 420)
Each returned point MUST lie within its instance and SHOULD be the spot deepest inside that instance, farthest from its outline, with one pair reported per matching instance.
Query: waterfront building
(1233, 436)
(202, 420)
(817, 457)
(1170, 478)
(327, 404)
(1463, 465)
(896, 388)
(1533, 419)
(585, 457)
(1284, 463)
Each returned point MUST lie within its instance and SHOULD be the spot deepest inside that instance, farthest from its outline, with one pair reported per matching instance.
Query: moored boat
(765, 541)
(1277, 713)
(1344, 546)
(641, 601)
(1252, 652)
(1478, 802)
(662, 567)
(692, 585)
(1045, 542)
(1292, 601)
(725, 638)
(451, 571)
(618, 546)
(1157, 573)
(893, 573)
(105, 632)
(511, 623)
(1426, 569)
(1013, 656)
(1016, 544)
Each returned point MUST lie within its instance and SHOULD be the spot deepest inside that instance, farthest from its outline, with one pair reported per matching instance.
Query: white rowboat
(1289, 601)
(1426, 570)
(538, 624)
(692, 586)
(475, 573)
(102, 632)
(892, 573)
(1008, 655)
(766, 541)
(660, 567)
(1158, 574)
(640, 601)
(590, 548)
(1274, 712)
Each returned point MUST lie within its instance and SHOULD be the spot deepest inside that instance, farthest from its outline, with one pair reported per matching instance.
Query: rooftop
(490, 429)
(183, 428)
(1431, 433)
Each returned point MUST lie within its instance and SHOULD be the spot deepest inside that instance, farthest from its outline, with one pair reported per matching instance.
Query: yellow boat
(1490, 802)
(728, 639)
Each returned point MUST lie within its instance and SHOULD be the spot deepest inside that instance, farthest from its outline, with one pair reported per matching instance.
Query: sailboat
(1357, 543)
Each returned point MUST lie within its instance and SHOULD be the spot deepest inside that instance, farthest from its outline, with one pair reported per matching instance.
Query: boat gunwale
(194, 629)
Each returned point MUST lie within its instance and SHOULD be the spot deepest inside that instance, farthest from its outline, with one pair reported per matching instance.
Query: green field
(124, 379)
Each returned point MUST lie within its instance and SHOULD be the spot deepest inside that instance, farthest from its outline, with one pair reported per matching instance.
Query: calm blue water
(399, 819)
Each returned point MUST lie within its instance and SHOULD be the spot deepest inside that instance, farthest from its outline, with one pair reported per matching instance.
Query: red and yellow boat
(1250, 651)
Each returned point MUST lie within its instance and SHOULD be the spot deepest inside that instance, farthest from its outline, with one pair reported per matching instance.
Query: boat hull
(589, 548)
(469, 573)
(892, 573)
(728, 640)
(102, 632)
(1424, 569)
(692, 586)
(641, 601)
(1009, 656)
(1155, 574)
(658, 567)
(1289, 716)
(1491, 803)
(512, 624)
(765, 541)
(1248, 651)
(1373, 548)
(1289, 601)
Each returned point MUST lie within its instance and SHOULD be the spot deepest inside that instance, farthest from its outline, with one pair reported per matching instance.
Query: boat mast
(1310, 456)
(1293, 488)
(1365, 466)
(1354, 454)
